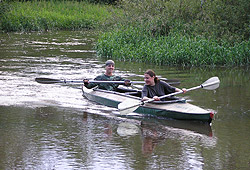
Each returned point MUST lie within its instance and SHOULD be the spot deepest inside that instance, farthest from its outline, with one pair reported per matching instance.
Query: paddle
(53, 81)
(129, 106)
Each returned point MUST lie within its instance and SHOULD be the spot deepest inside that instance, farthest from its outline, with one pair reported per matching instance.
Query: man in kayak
(107, 76)
(154, 88)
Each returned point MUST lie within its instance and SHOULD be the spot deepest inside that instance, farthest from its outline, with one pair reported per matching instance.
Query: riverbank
(187, 33)
(52, 15)
(134, 44)
(163, 33)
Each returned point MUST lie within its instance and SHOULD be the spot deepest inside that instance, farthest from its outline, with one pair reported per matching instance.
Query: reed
(135, 44)
(53, 15)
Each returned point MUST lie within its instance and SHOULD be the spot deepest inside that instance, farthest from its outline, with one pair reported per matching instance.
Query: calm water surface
(49, 126)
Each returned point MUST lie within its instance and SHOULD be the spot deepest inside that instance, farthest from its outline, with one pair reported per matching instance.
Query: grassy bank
(180, 32)
(52, 15)
(134, 44)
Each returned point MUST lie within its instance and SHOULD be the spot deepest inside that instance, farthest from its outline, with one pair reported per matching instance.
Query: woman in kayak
(154, 88)
(107, 76)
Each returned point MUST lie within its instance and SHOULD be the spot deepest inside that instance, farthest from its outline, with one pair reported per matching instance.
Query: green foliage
(53, 15)
(103, 1)
(4, 8)
(180, 32)
(135, 44)
(217, 19)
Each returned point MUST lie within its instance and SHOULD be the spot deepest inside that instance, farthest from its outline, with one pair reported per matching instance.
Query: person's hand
(156, 98)
(127, 82)
(145, 98)
(86, 82)
(184, 90)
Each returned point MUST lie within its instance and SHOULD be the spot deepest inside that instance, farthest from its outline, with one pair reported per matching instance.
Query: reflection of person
(150, 138)
(107, 76)
(108, 130)
(154, 88)
(148, 145)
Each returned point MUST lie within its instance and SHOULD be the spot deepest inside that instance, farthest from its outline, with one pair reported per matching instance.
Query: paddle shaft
(179, 92)
(118, 82)
(53, 81)
(81, 81)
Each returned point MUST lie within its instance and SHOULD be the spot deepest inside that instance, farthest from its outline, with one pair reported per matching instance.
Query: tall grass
(136, 44)
(53, 15)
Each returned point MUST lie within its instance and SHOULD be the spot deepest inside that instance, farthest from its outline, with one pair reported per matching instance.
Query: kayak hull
(178, 109)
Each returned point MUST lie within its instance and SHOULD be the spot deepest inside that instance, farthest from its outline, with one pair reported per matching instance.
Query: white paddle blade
(211, 84)
(128, 106)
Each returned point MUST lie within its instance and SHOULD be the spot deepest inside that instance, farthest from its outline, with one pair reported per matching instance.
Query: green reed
(53, 15)
(136, 44)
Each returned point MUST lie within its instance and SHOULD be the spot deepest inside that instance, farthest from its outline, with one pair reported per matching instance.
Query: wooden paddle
(129, 106)
(53, 81)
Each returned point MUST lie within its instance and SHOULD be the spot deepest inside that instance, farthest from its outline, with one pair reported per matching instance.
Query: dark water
(54, 127)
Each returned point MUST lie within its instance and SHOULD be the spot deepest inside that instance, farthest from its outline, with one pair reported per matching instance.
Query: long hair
(151, 73)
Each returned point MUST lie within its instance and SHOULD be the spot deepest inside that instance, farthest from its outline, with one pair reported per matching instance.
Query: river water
(51, 126)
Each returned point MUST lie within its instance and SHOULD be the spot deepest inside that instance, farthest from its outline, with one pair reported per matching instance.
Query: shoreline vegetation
(163, 32)
(52, 16)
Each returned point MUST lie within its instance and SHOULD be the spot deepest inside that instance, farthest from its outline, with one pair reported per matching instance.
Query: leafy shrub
(217, 19)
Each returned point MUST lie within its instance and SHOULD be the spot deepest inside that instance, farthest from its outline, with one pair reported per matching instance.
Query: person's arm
(156, 98)
(126, 81)
(170, 89)
(144, 93)
(184, 90)
(145, 98)
(89, 85)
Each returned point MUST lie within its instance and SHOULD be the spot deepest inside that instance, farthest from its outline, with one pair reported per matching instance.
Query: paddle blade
(211, 84)
(47, 80)
(128, 106)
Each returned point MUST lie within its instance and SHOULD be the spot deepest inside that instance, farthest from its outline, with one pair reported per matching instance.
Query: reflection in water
(127, 129)
(154, 132)
(150, 138)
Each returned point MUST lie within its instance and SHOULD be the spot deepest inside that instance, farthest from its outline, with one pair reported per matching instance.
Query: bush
(217, 19)
(180, 32)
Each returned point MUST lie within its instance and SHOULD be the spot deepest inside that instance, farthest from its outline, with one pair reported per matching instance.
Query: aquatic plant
(135, 44)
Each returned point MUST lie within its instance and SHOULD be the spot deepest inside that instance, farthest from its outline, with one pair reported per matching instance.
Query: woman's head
(150, 77)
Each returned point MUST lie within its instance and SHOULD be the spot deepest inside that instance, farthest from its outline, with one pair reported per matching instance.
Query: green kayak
(173, 109)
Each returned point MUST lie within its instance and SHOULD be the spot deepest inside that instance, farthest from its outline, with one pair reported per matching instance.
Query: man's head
(108, 62)
(109, 66)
